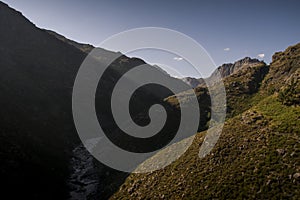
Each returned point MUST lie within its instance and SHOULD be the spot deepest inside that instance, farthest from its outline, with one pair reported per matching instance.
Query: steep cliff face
(257, 155)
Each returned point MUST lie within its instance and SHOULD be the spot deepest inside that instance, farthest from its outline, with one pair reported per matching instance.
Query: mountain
(87, 48)
(37, 133)
(257, 155)
(230, 68)
(193, 82)
(244, 80)
(39, 147)
(285, 69)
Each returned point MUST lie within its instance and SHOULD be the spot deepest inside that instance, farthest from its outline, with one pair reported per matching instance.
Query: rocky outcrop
(231, 68)
(283, 68)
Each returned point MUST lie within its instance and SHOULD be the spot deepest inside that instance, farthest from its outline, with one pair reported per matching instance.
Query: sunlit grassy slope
(258, 153)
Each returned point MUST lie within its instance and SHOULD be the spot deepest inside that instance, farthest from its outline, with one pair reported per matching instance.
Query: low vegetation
(257, 155)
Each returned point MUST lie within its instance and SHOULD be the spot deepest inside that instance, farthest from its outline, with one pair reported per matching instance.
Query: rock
(130, 190)
(229, 68)
(83, 181)
(251, 117)
(280, 151)
(296, 176)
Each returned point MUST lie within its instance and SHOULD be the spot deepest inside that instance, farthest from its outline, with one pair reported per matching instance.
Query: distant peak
(247, 60)
(230, 68)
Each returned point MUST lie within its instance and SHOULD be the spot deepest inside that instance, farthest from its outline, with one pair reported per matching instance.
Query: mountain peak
(247, 60)
(230, 68)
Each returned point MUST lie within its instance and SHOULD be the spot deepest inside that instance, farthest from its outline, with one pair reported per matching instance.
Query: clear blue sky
(228, 29)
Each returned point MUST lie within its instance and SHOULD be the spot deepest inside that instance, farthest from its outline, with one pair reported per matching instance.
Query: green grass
(283, 119)
(257, 155)
(245, 163)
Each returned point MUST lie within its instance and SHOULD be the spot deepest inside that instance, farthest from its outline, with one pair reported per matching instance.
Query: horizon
(266, 27)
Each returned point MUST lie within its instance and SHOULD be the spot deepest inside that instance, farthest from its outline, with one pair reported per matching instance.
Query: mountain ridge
(224, 70)
(38, 135)
(257, 155)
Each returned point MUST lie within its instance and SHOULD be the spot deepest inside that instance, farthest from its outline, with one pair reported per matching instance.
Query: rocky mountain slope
(36, 121)
(257, 155)
(37, 133)
(41, 156)
(231, 68)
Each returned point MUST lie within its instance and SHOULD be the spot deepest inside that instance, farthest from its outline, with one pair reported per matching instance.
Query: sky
(228, 30)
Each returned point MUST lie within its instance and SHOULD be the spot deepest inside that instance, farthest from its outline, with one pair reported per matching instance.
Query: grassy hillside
(258, 153)
(37, 131)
